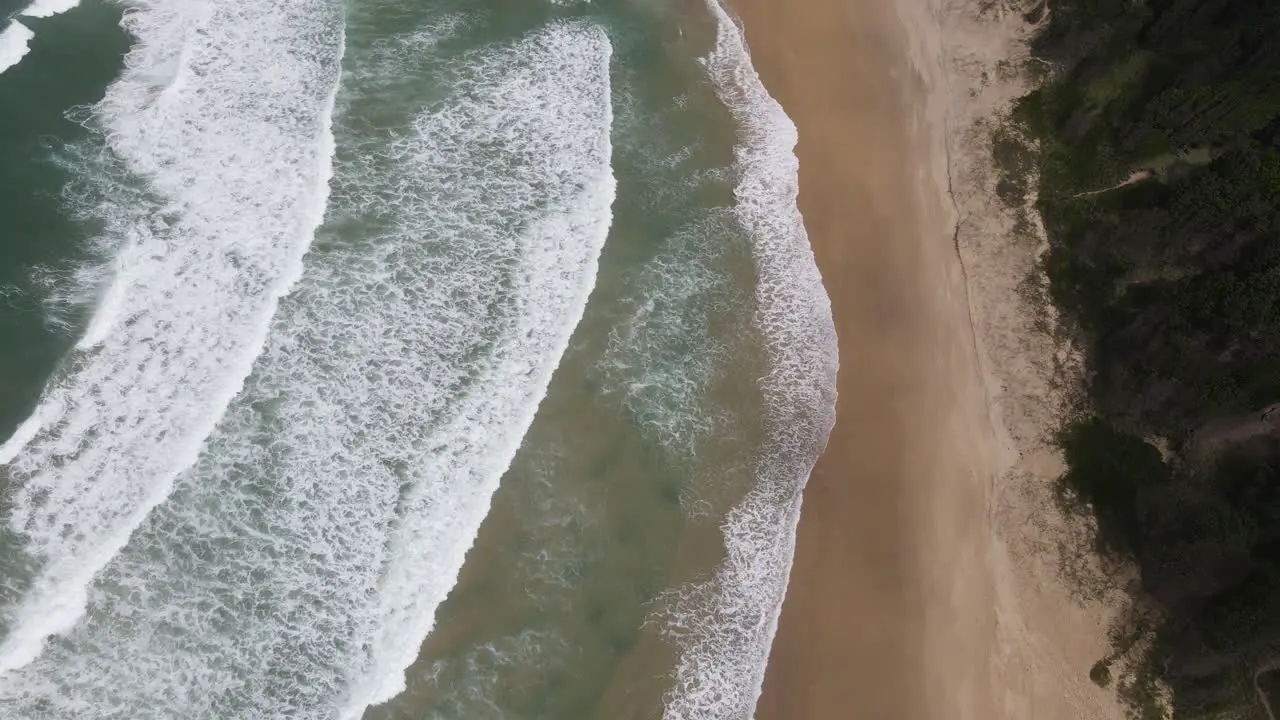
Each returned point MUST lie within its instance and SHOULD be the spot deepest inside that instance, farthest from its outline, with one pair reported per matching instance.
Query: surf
(724, 626)
(297, 565)
(15, 40)
(207, 174)
(15, 43)
(48, 8)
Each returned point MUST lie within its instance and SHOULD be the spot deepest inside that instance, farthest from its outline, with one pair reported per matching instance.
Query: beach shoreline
(927, 580)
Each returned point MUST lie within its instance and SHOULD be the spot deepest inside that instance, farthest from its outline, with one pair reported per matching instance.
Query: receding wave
(220, 125)
(297, 566)
(724, 626)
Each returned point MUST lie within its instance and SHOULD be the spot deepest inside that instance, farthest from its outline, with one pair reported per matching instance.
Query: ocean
(391, 359)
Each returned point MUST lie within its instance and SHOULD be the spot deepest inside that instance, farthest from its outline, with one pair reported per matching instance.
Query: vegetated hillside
(1174, 283)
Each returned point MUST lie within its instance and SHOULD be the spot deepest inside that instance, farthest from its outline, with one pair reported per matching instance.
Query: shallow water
(325, 279)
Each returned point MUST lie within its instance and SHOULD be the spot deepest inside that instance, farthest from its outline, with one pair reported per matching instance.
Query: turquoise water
(439, 360)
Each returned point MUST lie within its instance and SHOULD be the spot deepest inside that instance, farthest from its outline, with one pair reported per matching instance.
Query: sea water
(445, 359)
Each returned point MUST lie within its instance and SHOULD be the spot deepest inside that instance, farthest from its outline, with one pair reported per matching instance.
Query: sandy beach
(927, 578)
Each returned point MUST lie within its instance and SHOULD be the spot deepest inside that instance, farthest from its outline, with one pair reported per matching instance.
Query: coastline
(928, 577)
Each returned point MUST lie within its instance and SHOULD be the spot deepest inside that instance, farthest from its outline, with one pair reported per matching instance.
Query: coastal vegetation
(1155, 148)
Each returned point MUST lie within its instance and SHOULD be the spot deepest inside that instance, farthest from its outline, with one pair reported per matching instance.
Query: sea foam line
(724, 627)
(223, 114)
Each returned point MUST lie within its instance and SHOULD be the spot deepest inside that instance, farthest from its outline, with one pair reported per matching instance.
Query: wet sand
(890, 610)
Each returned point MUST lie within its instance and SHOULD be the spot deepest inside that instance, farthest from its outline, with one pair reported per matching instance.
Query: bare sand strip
(928, 575)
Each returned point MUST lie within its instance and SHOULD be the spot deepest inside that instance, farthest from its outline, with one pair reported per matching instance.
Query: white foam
(297, 567)
(15, 40)
(48, 8)
(15, 43)
(724, 627)
(547, 216)
(222, 113)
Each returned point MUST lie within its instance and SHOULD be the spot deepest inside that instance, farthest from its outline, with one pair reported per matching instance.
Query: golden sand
(926, 581)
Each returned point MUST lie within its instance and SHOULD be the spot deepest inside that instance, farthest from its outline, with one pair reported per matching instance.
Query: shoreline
(886, 605)
(927, 579)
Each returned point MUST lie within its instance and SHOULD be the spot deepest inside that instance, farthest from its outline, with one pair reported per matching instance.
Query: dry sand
(934, 576)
